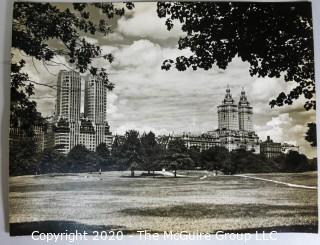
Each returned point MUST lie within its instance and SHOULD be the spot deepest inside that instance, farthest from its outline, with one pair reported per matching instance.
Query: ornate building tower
(245, 113)
(228, 113)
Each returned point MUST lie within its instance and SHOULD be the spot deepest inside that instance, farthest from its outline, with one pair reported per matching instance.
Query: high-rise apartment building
(68, 101)
(95, 108)
(70, 127)
(235, 127)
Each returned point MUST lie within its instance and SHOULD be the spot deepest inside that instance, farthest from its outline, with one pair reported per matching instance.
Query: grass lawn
(111, 201)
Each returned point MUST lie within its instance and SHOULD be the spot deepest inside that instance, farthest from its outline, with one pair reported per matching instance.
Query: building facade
(270, 149)
(36, 135)
(73, 128)
(235, 127)
(68, 102)
(95, 109)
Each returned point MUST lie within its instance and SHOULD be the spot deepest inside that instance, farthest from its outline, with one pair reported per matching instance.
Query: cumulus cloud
(145, 23)
(275, 128)
(268, 88)
(139, 53)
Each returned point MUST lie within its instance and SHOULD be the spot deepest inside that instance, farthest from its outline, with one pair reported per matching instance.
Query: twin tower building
(71, 127)
(235, 126)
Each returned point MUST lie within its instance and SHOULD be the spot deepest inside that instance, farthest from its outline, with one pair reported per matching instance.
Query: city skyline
(148, 98)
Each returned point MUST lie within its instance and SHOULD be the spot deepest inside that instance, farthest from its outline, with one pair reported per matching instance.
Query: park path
(278, 182)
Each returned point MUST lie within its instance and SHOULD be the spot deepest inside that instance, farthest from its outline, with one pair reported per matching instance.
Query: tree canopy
(274, 38)
(311, 135)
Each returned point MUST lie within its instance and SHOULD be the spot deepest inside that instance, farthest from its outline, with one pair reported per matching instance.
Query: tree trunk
(149, 172)
(132, 172)
(153, 173)
(175, 173)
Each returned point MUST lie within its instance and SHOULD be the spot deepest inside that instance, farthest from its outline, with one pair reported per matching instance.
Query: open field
(111, 201)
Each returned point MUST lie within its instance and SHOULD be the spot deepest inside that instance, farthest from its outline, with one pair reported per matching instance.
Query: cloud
(114, 37)
(139, 53)
(113, 112)
(145, 23)
(275, 128)
(266, 88)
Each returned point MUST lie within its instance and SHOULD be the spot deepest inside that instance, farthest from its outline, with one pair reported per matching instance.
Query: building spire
(228, 88)
(228, 97)
(243, 98)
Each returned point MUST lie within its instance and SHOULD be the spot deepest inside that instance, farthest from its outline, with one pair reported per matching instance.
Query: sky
(147, 98)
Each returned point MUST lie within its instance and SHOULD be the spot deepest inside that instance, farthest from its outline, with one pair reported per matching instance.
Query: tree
(103, 151)
(151, 152)
(23, 159)
(275, 38)
(43, 31)
(128, 150)
(311, 135)
(213, 157)
(296, 162)
(103, 156)
(177, 156)
(23, 111)
(195, 155)
(80, 159)
(51, 161)
(134, 162)
(177, 146)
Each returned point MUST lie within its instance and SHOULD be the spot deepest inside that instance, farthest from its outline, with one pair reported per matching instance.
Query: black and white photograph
(162, 117)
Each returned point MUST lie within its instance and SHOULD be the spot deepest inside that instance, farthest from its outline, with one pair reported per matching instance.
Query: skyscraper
(68, 96)
(228, 113)
(95, 100)
(235, 130)
(245, 113)
(70, 128)
(95, 108)
(235, 127)
(68, 110)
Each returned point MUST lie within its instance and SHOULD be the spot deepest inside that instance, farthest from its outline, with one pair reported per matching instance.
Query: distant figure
(100, 171)
(163, 170)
